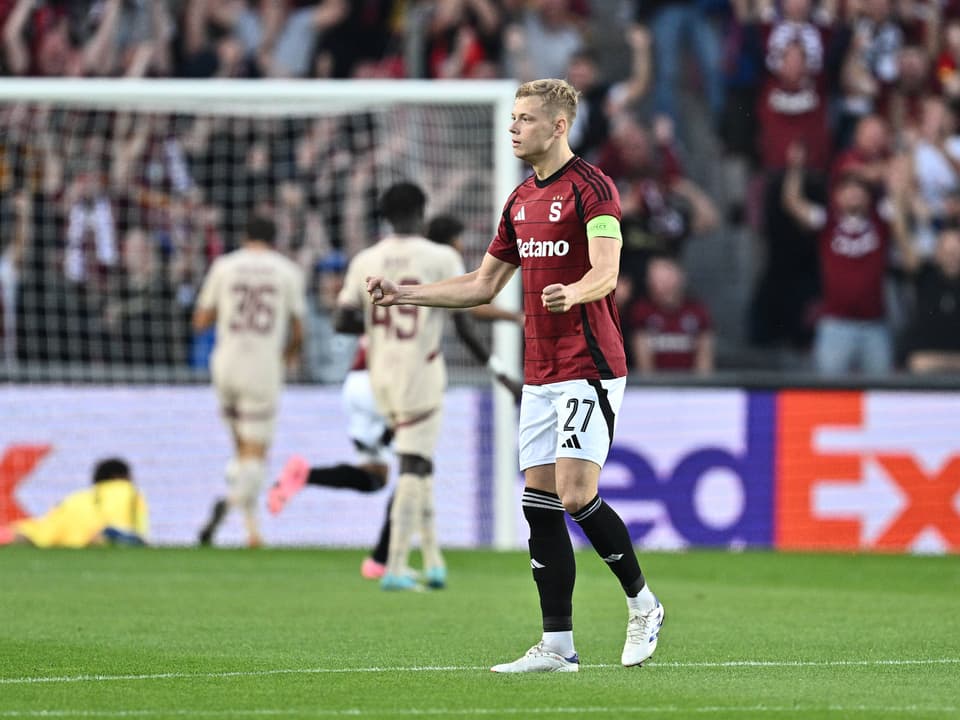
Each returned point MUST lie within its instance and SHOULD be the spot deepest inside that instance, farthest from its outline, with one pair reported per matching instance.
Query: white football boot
(643, 629)
(539, 659)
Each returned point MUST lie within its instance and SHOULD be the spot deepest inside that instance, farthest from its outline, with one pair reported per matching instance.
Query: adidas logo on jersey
(522, 215)
(572, 443)
(542, 248)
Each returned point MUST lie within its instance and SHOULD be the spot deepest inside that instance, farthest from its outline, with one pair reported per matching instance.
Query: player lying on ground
(112, 512)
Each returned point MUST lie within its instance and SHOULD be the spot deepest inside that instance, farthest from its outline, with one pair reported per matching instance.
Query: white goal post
(305, 99)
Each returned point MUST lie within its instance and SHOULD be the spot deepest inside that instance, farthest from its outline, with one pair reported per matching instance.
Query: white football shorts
(366, 427)
(574, 419)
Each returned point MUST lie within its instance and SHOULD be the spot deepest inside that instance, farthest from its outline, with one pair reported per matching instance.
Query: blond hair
(558, 96)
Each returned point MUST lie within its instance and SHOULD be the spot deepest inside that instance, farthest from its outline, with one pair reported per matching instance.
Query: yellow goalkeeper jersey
(81, 517)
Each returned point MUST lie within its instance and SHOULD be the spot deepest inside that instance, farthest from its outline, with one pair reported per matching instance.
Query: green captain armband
(604, 226)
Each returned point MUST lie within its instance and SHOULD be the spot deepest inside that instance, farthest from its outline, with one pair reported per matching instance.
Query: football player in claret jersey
(561, 227)
(256, 297)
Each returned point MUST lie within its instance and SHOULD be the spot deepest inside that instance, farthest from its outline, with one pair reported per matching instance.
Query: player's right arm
(348, 315)
(474, 288)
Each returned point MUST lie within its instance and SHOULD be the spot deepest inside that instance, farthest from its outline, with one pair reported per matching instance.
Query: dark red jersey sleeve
(504, 244)
(598, 194)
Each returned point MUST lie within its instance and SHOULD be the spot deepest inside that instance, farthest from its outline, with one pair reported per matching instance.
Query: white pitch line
(474, 712)
(467, 668)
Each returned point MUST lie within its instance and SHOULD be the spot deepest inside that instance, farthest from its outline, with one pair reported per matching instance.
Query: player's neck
(551, 161)
(406, 229)
(259, 246)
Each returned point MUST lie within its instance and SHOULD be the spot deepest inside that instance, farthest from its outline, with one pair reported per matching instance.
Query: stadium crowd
(841, 113)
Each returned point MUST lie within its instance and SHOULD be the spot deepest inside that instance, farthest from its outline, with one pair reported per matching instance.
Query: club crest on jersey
(542, 248)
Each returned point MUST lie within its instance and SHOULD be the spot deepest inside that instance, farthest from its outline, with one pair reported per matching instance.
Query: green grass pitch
(298, 634)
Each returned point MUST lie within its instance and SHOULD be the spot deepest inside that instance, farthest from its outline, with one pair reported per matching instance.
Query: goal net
(115, 197)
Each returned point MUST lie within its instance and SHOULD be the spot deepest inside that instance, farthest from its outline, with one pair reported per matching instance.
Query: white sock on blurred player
(405, 518)
(250, 477)
(429, 545)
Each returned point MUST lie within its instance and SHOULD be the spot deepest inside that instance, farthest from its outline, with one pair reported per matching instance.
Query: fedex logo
(705, 479)
(868, 470)
(16, 463)
(795, 470)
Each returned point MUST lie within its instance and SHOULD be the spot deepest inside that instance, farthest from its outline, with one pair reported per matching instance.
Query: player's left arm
(601, 279)
(348, 313)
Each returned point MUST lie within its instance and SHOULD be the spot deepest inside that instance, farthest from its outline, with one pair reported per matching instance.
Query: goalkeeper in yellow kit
(113, 511)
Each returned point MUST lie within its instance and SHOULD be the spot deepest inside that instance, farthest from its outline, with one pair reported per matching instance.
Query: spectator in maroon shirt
(854, 249)
(793, 108)
(796, 22)
(662, 208)
(671, 330)
(870, 46)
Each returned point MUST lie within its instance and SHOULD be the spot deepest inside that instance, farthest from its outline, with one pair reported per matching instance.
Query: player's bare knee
(575, 496)
(415, 465)
(249, 449)
(236, 499)
(574, 502)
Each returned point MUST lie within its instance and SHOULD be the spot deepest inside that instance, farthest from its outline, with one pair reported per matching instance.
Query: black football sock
(345, 476)
(609, 536)
(551, 557)
(216, 517)
(383, 544)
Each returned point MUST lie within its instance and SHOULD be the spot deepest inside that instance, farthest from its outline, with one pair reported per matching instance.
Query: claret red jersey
(543, 230)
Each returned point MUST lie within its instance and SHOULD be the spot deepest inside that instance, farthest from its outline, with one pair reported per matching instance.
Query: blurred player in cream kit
(407, 371)
(561, 226)
(256, 297)
(367, 426)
